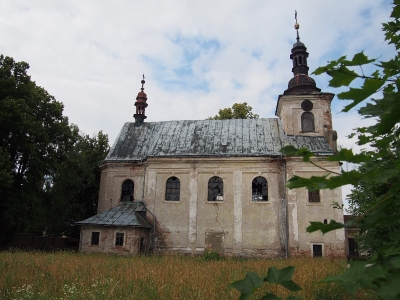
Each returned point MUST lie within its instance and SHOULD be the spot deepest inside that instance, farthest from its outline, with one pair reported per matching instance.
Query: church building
(190, 186)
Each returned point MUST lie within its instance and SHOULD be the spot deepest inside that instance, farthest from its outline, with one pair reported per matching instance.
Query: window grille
(119, 239)
(172, 189)
(313, 196)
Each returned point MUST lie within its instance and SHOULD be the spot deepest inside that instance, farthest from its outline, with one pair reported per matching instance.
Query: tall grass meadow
(70, 275)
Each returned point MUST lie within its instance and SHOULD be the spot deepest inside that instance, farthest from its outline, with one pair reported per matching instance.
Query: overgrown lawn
(68, 275)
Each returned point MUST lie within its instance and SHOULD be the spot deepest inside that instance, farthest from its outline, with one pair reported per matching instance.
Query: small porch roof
(124, 214)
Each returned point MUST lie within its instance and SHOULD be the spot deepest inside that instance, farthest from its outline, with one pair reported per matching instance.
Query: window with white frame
(119, 239)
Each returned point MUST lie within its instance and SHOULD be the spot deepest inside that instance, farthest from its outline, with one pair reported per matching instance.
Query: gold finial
(296, 26)
(143, 82)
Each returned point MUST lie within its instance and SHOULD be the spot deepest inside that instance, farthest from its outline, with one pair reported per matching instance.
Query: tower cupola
(141, 104)
(301, 82)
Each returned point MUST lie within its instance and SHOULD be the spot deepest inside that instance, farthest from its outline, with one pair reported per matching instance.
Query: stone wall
(136, 240)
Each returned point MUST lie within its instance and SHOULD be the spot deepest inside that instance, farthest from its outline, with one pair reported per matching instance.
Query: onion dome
(141, 104)
(301, 82)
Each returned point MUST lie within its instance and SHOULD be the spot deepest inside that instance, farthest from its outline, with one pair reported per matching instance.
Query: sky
(197, 56)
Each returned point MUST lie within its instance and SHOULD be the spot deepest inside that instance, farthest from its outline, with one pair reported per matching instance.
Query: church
(192, 186)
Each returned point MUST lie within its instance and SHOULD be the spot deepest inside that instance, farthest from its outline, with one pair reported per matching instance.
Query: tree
(74, 190)
(238, 111)
(379, 173)
(34, 136)
(49, 175)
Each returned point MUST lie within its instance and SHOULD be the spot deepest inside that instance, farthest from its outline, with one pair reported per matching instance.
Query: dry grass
(63, 275)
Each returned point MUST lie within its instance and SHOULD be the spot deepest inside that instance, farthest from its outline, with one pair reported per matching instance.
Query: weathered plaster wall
(301, 212)
(290, 111)
(132, 237)
(239, 224)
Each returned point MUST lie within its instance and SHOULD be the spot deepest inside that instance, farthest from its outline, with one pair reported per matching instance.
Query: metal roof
(208, 138)
(122, 215)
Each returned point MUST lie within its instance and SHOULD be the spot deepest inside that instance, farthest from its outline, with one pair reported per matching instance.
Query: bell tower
(141, 104)
(303, 108)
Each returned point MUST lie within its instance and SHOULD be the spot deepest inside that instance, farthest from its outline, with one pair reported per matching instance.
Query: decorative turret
(141, 105)
(301, 82)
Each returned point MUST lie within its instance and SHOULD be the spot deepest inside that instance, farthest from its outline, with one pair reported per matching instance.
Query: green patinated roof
(125, 214)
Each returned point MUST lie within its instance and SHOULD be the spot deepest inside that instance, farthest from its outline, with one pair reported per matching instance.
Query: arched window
(300, 61)
(215, 189)
(259, 189)
(128, 188)
(295, 61)
(172, 189)
(307, 122)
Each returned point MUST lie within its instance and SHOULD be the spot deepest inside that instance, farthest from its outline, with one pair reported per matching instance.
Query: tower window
(259, 189)
(307, 122)
(300, 61)
(215, 189)
(314, 197)
(172, 189)
(128, 188)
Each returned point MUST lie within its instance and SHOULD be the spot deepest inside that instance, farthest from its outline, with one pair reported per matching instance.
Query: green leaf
(283, 277)
(358, 60)
(369, 88)
(247, 285)
(333, 225)
(314, 183)
(293, 151)
(390, 288)
(358, 276)
(341, 76)
(347, 155)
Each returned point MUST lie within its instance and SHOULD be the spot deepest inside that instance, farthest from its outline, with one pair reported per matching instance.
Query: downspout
(286, 205)
(154, 216)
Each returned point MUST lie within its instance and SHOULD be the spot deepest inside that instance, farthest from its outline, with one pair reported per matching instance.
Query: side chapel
(191, 186)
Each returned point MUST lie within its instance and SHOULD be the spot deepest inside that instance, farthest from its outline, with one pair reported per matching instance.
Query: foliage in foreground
(376, 198)
(64, 275)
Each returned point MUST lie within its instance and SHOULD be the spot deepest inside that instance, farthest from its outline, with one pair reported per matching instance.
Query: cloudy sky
(197, 56)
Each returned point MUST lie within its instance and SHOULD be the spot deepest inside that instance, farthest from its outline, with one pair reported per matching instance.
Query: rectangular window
(95, 238)
(317, 250)
(313, 196)
(119, 239)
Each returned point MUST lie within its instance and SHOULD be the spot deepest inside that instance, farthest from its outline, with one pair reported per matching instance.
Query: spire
(141, 104)
(296, 26)
(301, 82)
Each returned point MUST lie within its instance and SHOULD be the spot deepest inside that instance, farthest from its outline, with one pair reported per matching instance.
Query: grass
(68, 275)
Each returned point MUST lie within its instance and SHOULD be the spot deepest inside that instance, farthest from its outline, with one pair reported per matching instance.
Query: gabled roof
(208, 138)
(125, 214)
